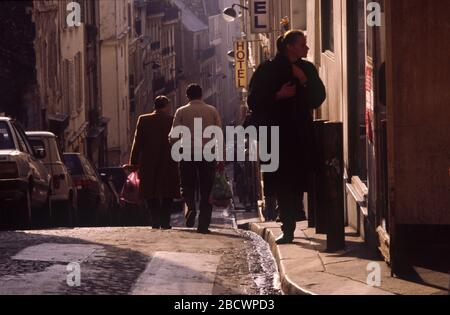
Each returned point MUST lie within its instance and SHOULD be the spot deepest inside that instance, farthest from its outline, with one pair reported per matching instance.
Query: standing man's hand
(287, 91)
(299, 74)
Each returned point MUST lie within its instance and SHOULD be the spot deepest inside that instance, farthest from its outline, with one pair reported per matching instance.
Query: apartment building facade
(195, 56)
(115, 25)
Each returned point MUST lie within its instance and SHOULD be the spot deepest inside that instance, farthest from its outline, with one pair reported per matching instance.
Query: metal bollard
(312, 181)
(333, 185)
(312, 200)
(318, 206)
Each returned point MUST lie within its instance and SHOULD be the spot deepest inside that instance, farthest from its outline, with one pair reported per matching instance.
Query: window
(23, 140)
(357, 141)
(53, 59)
(6, 141)
(78, 81)
(129, 15)
(327, 26)
(64, 4)
(38, 144)
(138, 27)
(68, 86)
(46, 62)
(88, 169)
(73, 164)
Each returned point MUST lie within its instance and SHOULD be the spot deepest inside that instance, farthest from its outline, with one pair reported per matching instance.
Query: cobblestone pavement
(112, 259)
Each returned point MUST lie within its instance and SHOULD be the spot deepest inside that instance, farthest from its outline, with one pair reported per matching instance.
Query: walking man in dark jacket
(151, 156)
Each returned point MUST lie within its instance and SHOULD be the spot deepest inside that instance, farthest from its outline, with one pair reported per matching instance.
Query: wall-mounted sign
(240, 56)
(260, 16)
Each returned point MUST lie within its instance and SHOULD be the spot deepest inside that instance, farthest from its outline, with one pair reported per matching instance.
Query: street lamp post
(230, 15)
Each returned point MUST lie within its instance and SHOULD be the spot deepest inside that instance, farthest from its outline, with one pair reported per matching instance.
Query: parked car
(91, 192)
(25, 183)
(117, 174)
(125, 213)
(111, 177)
(130, 212)
(64, 193)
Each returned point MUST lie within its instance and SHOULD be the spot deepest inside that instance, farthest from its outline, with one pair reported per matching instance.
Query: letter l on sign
(259, 16)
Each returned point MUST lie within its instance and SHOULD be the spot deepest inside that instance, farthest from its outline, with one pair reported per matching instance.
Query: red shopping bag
(130, 193)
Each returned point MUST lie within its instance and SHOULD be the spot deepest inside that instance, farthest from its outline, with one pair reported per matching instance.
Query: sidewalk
(306, 268)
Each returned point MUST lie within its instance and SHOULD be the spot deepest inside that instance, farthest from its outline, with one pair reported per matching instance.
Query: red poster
(370, 100)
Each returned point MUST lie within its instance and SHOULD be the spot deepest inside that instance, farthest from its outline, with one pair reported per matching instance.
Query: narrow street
(313, 135)
(138, 260)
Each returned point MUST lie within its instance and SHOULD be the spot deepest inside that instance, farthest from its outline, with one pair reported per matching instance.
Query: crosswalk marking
(52, 252)
(170, 273)
(35, 283)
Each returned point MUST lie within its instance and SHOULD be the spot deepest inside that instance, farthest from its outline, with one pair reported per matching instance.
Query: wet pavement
(138, 260)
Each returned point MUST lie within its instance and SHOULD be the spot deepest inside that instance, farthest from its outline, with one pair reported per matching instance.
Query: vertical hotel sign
(240, 54)
(260, 16)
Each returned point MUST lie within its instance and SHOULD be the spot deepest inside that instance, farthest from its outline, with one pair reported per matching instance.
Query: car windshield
(50, 146)
(39, 144)
(73, 164)
(6, 140)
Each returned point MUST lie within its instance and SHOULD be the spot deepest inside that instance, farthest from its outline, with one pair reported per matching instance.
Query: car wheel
(97, 213)
(4, 218)
(70, 212)
(46, 212)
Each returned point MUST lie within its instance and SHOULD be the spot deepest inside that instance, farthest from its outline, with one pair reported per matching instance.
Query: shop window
(357, 92)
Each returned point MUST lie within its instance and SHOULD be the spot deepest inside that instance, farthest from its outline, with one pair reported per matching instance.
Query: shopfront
(398, 179)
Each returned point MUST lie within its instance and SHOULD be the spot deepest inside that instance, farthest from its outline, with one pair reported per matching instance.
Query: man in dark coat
(282, 93)
(151, 155)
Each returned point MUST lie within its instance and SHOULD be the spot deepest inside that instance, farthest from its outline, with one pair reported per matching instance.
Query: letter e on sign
(260, 16)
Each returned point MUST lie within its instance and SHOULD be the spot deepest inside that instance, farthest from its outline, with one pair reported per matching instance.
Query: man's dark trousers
(197, 174)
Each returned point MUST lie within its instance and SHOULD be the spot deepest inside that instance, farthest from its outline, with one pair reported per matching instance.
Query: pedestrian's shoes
(282, 239)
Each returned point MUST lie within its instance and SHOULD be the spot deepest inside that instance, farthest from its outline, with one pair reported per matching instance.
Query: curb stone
(287, 285)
